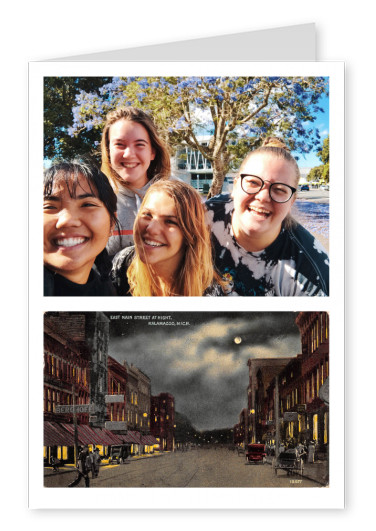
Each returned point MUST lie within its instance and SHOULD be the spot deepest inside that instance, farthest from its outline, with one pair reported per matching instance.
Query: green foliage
(321, 173)
(59, 99)
(315, 174)
(323, 154)
(236, 111)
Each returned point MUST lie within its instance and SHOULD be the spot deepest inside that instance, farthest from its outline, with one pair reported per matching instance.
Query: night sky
(202, 363)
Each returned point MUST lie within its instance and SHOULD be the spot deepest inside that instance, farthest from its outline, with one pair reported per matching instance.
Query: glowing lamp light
(238, 340)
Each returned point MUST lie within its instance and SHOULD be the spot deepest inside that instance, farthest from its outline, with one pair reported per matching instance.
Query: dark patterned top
(295, 264)
(122, 261)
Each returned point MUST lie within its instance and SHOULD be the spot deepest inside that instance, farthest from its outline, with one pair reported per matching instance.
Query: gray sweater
(128, 204)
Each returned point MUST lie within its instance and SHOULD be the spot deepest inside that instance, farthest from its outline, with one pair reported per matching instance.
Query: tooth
(70, 242)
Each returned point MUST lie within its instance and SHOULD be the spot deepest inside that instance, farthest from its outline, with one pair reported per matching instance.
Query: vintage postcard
(166, 185)
(186, 399)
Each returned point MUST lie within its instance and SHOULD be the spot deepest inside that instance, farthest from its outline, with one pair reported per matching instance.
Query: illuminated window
(325, 428)
(315, 427)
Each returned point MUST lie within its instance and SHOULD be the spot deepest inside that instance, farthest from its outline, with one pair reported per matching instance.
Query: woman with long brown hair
(134, 156)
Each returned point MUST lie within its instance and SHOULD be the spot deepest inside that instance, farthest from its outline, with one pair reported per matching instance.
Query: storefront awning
(110, 437)
(84, 437)
(55, 435)
(150, 440)
(132, 437)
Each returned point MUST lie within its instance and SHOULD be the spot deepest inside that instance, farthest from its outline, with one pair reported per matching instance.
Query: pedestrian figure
(54, 464)
(96, 461)
(311, 452)
(83, 468)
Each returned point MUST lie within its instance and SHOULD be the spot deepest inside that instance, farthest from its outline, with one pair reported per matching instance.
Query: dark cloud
(200, 364)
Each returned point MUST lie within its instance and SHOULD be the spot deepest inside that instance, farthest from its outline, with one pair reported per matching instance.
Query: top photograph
(186, 186)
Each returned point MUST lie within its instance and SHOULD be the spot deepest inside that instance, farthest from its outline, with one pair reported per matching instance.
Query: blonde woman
(172, 255)
(134, 156)
(259, 248)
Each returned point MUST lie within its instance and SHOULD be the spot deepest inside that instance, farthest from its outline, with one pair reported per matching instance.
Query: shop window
(325, 428)
(315, 427)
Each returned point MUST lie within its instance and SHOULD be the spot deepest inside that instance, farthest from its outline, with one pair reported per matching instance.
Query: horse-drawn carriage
(291, 461)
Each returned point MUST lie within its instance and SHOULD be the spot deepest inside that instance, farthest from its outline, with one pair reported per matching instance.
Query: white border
(332, 497)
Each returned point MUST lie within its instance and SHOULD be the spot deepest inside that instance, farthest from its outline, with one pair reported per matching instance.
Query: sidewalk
(317, 471)
(66, 469)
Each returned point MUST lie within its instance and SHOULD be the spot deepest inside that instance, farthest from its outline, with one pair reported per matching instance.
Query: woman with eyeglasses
(259, 248)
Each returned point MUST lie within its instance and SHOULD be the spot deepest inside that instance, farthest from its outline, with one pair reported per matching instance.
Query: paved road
(315, 196)
(311, 209)
(195, 468)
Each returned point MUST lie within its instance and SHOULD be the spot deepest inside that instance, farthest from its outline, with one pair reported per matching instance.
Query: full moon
(238, 340)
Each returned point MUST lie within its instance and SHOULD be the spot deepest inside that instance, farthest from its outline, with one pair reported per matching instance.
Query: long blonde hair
(196, 272)
(160, 167)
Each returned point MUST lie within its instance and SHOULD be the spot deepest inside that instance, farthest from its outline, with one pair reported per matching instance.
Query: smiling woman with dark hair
(79, 212)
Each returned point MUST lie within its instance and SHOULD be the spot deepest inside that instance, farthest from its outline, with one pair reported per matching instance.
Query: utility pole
(276, 416)
(75, 427)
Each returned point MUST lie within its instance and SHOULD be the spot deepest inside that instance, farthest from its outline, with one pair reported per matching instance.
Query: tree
(59, 98)
(235, 111)
(321, 173)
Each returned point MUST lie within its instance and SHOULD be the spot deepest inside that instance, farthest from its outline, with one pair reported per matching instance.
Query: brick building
(117, 386)
(75, 374)
(162, 420)
(314, 330)
(262, 371)
(138, 399)
(241, 428)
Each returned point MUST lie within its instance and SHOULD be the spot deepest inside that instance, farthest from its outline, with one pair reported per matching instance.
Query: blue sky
(322, 123)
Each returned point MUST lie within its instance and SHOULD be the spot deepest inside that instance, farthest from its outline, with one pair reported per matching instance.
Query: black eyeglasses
(279, 192)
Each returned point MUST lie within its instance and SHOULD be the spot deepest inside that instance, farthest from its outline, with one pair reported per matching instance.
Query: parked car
(325, 187)
(255, 453)
(118, 454)
(304, 187)
(290, 461)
